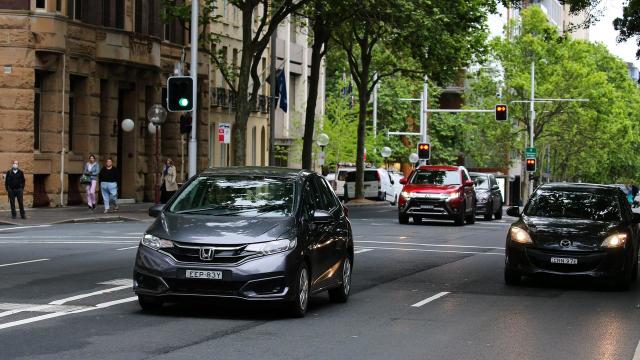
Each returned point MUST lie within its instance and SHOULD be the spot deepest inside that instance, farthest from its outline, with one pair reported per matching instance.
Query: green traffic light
(183, 102)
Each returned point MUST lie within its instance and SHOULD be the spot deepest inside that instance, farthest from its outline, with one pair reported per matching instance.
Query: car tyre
(341, 293)
(459, 218)
(511, 277)
(498, 214)
(395, 200)
(298, 306)
(488, 215)
(471, 218)
(403, 219)
(148, 303)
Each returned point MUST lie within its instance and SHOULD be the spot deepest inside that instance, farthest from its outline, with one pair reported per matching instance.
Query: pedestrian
(14, 184)
(91, 171)
(109, 185)
(169, 184)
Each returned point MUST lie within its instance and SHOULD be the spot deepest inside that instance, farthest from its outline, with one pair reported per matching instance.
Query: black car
(574, 229)
(247, 233)
(488, 196)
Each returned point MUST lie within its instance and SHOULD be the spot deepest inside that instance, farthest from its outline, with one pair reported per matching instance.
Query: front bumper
(482, 208)
(432, 208)
(528, 260)
(265, 278)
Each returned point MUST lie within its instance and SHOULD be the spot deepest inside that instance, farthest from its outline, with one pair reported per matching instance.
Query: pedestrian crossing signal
(501, 112)
(424, 151)
(531, 165)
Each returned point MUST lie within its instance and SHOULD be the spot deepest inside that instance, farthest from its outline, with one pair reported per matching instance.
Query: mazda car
(256, 234)
(574, 230)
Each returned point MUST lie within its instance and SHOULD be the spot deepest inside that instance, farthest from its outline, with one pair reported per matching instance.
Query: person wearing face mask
(14, 184)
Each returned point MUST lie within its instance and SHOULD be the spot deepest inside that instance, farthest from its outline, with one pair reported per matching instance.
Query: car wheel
(382, 196)
(511, 277)
(459, 218)
(488, 214)
(395, 200)
(148, 303)
(417, 219)
(498, 214)
(403, 219)
(300, 302)
(471, 218)
(341, 293)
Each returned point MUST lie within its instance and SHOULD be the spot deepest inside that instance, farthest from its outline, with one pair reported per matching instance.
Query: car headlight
(520, 235)
(406, 195)
(453, 196)
(615, 240)
(155, 242)
(272, 247)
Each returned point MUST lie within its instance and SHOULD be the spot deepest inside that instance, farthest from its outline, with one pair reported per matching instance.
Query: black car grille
(222, 254)
(204, 287)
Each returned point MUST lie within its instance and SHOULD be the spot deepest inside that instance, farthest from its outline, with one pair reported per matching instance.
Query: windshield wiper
(217, 207)
(260, 210)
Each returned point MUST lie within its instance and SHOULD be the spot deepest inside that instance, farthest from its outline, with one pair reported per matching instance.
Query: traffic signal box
(180, 93)
(424, 151)
(531, 165)
(501, 112)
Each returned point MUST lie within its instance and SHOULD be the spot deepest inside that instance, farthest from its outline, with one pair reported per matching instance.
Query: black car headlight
(272, 247)
(615, 240)
(155, 242)
(520, 235)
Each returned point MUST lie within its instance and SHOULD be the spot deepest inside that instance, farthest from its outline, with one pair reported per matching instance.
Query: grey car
(488, 195)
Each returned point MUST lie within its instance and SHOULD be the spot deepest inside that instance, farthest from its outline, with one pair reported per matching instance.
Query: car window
(369, 175)
(465, 176)
(481, 182)
(574, 205)
(327, 201)
(435, 177)
(309, 200)
(342, 174)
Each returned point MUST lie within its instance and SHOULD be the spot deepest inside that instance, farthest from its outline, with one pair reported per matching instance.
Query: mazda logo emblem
(565, 243)
(207, 253)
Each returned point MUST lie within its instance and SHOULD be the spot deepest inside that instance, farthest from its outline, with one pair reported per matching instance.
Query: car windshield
(236, 195)
(435, 177)
(481, 182)
(574, 205)
(342, 174)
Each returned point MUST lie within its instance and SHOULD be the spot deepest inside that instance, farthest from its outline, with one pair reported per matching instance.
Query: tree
(413, 37)
(243, 80)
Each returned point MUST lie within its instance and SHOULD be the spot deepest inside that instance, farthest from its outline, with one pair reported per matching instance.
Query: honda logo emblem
(207, 253)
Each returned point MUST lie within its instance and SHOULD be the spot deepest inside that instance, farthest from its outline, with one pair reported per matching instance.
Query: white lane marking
(43, 308)
(360, 251)
(636, 356)
(437, 251)
(23, 262)
(127, 248)
(430, 245)
(118, 282)
(23, 227)
(63, 313)
(430, 299)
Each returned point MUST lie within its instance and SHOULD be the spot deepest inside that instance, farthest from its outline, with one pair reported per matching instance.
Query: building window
(58, 5)
(74, 9)
(41, 4)
(36, 110)
(106, 13)
(213, 134)
(254, 146)
(120, 14)
(72, 118)
(225, 4)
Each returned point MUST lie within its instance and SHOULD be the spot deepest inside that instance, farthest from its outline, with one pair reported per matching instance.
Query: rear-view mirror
(321, 216)
(403, 181)
(155, 210)
(513, 211)
(469, 183)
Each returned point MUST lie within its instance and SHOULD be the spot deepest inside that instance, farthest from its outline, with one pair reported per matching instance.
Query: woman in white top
(91, 170)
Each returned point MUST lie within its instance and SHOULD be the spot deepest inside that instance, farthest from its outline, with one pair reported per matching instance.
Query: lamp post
(413, 159)
(157, 116)
(322, 140)
(386, 152)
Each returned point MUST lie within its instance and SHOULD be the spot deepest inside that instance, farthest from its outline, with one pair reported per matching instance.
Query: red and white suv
(437, 192)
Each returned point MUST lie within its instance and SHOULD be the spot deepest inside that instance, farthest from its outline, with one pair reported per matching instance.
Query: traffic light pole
(193, 142)
(532, 118)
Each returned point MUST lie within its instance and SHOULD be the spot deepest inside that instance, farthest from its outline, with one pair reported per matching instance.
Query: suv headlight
(272, 247)
(519, 235)
(155, 242)
(406, 194)
(615, 240)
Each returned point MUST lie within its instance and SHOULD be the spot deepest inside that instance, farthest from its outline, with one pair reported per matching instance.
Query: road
(429, 291)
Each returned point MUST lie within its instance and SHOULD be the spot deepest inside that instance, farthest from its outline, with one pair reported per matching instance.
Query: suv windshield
(236, 195)
(481, 182)
(435, 177)
(574, 205)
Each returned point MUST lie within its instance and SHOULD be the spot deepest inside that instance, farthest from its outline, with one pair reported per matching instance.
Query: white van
(338, 182)
(377, 185)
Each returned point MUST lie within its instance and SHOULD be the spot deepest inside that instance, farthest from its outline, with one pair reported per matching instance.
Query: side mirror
(469, 183)
(403, 181)
(635, 218)
(392, 182)
(156, 210)
(513, 211)
(321, 216)
(495, 187)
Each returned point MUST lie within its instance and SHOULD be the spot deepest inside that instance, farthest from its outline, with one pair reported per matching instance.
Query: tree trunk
(362, 132)
(319, 41)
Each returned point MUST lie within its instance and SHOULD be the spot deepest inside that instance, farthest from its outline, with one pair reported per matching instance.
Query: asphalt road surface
(429, 291)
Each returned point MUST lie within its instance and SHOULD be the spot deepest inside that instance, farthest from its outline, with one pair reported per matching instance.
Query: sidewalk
(77, 214)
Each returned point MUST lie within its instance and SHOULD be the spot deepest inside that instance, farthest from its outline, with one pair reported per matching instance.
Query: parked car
(444, 192)
(488, 195)
(378, 185)
(341, 177)
(397, 186)
(574, 230)
(247, 233)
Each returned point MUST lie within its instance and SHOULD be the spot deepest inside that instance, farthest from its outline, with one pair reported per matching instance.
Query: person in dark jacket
(109, 185)
(14, 184)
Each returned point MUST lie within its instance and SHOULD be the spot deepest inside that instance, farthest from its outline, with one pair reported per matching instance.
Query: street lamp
(413, 159)
(386, 152)
(322, 140)
(157, 116)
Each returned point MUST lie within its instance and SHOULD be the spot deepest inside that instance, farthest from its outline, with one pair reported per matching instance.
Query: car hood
(207, 229)
(430, 189)
(584, 234)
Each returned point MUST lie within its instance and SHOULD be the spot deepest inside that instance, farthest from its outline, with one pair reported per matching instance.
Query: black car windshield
(574, 205)
(236, 195)
(435, 177)
(481, 182)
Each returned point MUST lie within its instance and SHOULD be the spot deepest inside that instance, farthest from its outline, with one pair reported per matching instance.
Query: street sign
(224, 133)
(530, 153)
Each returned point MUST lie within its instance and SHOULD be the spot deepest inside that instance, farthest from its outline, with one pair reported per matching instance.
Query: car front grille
(204, 287)
(222, 254)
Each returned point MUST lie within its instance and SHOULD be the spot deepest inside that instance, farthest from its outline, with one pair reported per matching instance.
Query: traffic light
(501, 112)
(185, 124)
(180, 93)
(531, 165)
(424, 151)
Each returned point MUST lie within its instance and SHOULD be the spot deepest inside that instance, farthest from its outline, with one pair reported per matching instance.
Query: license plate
(562, 260)
(202, 274)
(426, 206)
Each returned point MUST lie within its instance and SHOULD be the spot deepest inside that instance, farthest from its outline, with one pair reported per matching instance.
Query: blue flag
(281, 90)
